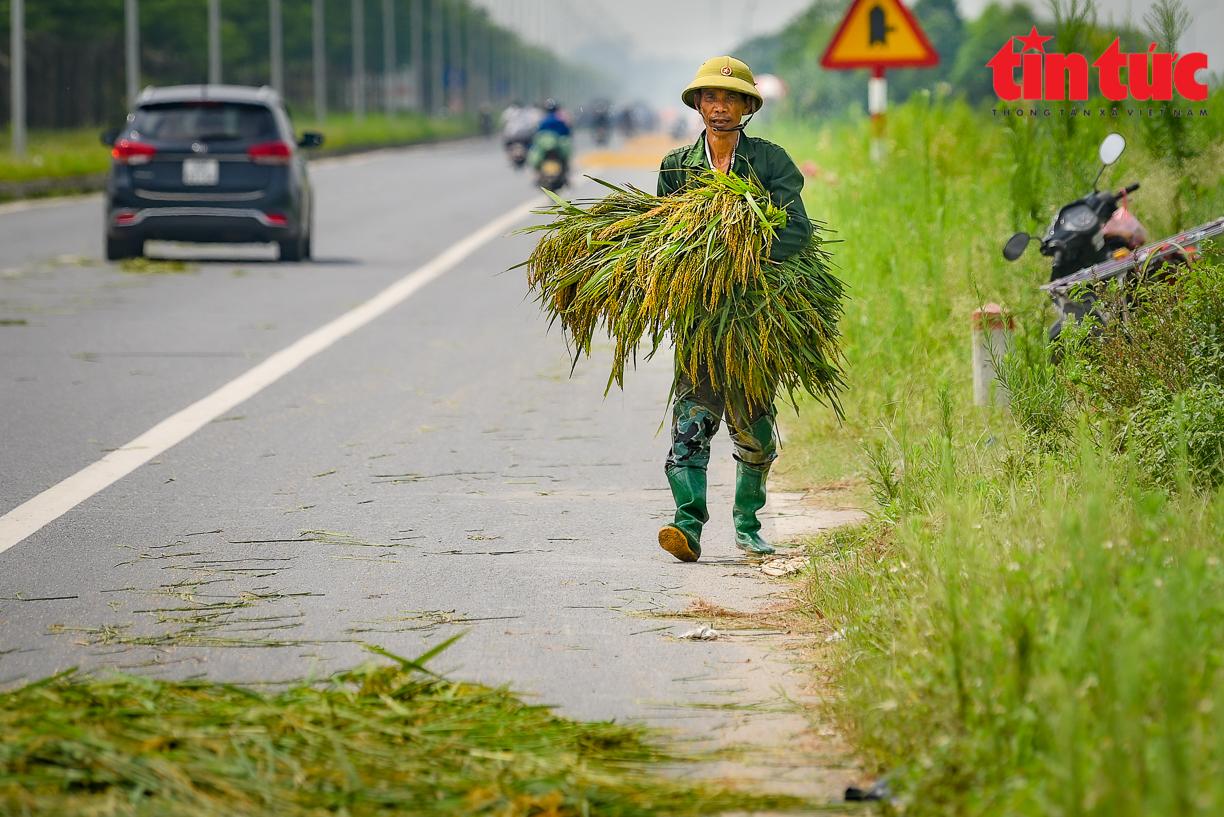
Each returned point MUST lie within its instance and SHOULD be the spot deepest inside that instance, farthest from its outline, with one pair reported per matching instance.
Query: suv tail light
(270, 153)
(131, 152)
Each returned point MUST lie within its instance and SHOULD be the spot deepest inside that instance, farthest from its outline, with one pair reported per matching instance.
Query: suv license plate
(199, 172)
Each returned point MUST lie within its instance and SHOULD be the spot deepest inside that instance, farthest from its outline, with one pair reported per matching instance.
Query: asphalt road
(437, 471)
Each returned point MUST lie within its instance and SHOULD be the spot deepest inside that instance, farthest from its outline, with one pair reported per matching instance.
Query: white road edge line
(51, 504)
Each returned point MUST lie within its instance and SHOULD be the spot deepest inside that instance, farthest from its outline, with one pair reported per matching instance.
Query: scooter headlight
(1079, 218)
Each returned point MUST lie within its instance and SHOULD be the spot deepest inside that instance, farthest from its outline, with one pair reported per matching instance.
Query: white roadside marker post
(992, 338)
(877, 105)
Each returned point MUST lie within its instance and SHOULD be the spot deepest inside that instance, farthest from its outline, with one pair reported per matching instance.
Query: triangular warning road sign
(879, 34)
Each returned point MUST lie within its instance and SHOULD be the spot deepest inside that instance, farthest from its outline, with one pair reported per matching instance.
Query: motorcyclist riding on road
(553, 121)
(519, 123)
(553, 132)
(550, 150)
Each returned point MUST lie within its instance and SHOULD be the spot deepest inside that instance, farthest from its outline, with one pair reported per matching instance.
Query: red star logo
(1033, 40)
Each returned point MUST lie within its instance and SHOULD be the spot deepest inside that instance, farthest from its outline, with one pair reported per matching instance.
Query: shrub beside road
(1030, 624)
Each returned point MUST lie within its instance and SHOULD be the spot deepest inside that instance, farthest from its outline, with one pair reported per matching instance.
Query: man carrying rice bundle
(724, 92)
(724, 264)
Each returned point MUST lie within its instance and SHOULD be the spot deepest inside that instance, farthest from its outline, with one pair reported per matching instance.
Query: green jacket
(772, 166)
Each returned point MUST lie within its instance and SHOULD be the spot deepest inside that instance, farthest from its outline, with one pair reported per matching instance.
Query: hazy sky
(692, 30)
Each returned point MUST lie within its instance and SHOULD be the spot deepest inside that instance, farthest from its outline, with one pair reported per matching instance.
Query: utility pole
(276, 50)
(417, 24)
(492, 48)
(320, 64)
(516, 60)
(388, 24)
(358, 51)
(214, 42)
(456, 82)
(17, 112)
(470, 84)
(478, 44)
(131, 47)
(437, 28)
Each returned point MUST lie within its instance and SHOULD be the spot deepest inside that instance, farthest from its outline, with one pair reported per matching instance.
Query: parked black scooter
(1096, 239)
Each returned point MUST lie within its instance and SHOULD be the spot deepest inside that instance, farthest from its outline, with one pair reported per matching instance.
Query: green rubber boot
(682, 538)
(750, 498)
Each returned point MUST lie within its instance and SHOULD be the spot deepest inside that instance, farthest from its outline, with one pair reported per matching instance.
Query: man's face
(721, 110)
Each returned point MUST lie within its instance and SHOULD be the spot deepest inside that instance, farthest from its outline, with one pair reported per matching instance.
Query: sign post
(878, 34)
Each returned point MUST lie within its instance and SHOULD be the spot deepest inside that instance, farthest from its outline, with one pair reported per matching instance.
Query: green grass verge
(54, 155)
(376, 130)
(74, 153)
(1024, 633)
(375, 740)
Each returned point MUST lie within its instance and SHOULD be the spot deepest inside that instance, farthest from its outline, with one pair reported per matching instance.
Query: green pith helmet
(729, 74)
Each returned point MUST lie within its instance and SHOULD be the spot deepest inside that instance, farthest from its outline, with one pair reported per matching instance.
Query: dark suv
(215, 163)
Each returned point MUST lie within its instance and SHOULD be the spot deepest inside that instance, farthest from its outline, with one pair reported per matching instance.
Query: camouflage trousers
(696, 415)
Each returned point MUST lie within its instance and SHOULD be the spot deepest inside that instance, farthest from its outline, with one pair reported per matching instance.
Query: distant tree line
(75, 54)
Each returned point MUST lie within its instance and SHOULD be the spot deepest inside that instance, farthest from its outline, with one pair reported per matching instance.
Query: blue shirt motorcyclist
(553, 121)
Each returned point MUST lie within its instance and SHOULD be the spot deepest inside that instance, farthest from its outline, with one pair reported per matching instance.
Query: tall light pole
(359, 58)
(388, 24)
(214, 42)
(479, 60)
(524, 56)
(131, 47)
(276, 49)
(492, 47)
(513, 69)
(417, 24)
(437, 28)
(17, 113)
(470, 91)
(319, 58)
(454, 63)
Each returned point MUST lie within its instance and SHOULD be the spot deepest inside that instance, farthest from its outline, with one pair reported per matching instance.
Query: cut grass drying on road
(78, 154)
(373, 740)
(155, 266)
(1031, 624)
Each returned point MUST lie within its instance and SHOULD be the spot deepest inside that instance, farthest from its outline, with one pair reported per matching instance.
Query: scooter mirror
(1016, 245)
(1111, 148)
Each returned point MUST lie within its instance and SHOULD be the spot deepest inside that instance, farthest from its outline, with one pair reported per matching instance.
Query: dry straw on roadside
(694, 267)
(376, 740)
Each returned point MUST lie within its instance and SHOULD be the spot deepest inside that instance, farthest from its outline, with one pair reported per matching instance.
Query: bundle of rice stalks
(694, 267)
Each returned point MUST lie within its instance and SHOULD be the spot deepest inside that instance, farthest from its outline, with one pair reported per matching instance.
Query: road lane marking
(51, 504)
